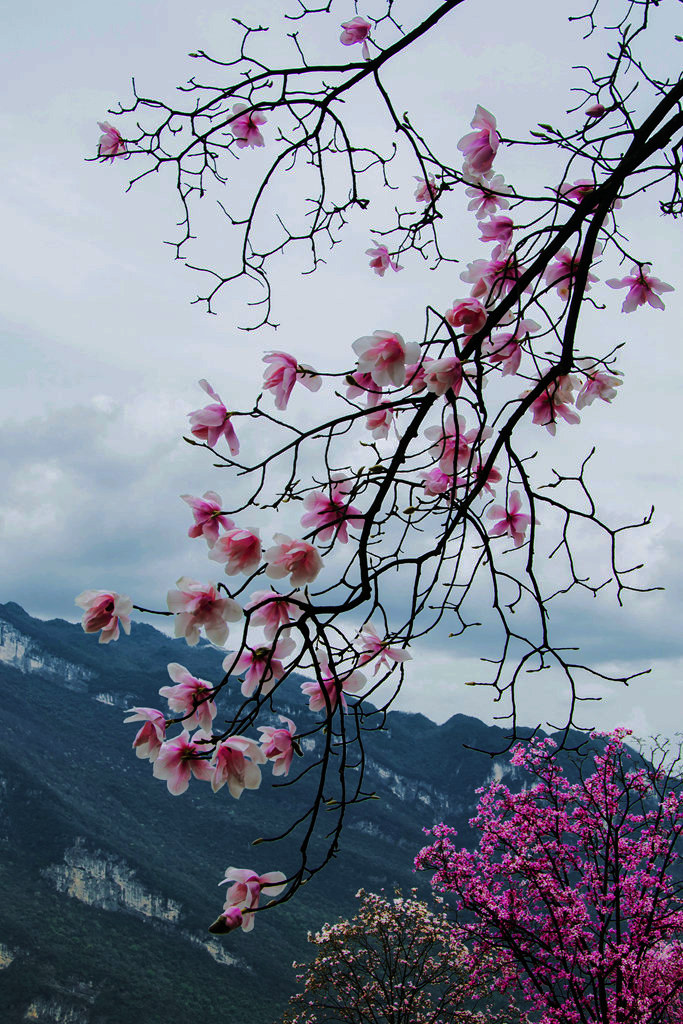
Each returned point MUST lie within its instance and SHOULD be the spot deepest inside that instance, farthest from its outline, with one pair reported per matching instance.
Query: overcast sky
(103, 349)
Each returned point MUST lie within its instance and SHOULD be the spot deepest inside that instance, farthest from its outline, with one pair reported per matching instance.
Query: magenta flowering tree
(412, 499)
(394, 961)
(573, 888)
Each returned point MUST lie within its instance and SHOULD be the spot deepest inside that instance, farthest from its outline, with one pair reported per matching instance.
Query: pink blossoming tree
(572, 890)
(411, 496)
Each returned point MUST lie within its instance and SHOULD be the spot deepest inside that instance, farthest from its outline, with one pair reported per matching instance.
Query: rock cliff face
(27, 655)
(109, 884)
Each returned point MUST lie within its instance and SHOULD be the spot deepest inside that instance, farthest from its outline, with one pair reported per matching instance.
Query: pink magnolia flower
(497, 276)
(577, 190)
(596, 110)
(198, 604)
(239, 549)
(228, 921)
(381, 260)
(262, 666)
(383, 355)
(563, 272)
(498, 229)
(277, 745)
(505, 349)
(349, 682)
(444, 375)
(356, 31)
(484, 198)
(598, 384)
(245, 128)
(453, 447)
(236, 762)
(553, 402)
(436, 482)
(208, 517)
(282, 375)
(415, 374)
(331, 515)
(642, 288)
(104, 610)
(190, 697)
(372, 648)
(148, 739)
(492, 477)
(361, 385)
(379, 421)
(111, 143)
(294, 558)
(178, 760)
(213, 422)
(426, 190)
(245, 892)
(468, 314)
(480, 147)
(272, 611)
(510, 520)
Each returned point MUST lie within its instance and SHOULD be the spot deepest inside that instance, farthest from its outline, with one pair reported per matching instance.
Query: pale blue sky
(103, 349)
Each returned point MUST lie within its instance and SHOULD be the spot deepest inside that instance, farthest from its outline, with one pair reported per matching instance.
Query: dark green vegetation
(79, 813)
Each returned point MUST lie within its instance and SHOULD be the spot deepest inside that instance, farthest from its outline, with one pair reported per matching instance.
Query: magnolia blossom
(378, 423)
(485, 198)
(148, 739)
(553, 402)
(245, 128)
(277, 745)
(493, 476)
(190, 697)
(294, 558)
(228, 921)
(384, 355)
(480, 147)
(349, 682)
(245, 892)
(330, 515)
(426, 190)
(198, 604)
(577, 190)
(104, 610)
(213, 422)
(642, 288)
(436, 482)
(595, 110)
(415, 374)
(468, 314)
(505, 349)
(236, 762)
(356, 31)
(282, 375)
(111, 143)
(272, 611)
(179, 759)
(381, 260)
(563, 272)
(491, 276)
(262, 666)
(239, 549)
(372, 648)
(361, 385)
(498, 229)
(599, 384)
(444, 375)
(208, 517)
(510, 520)
(453, 447)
